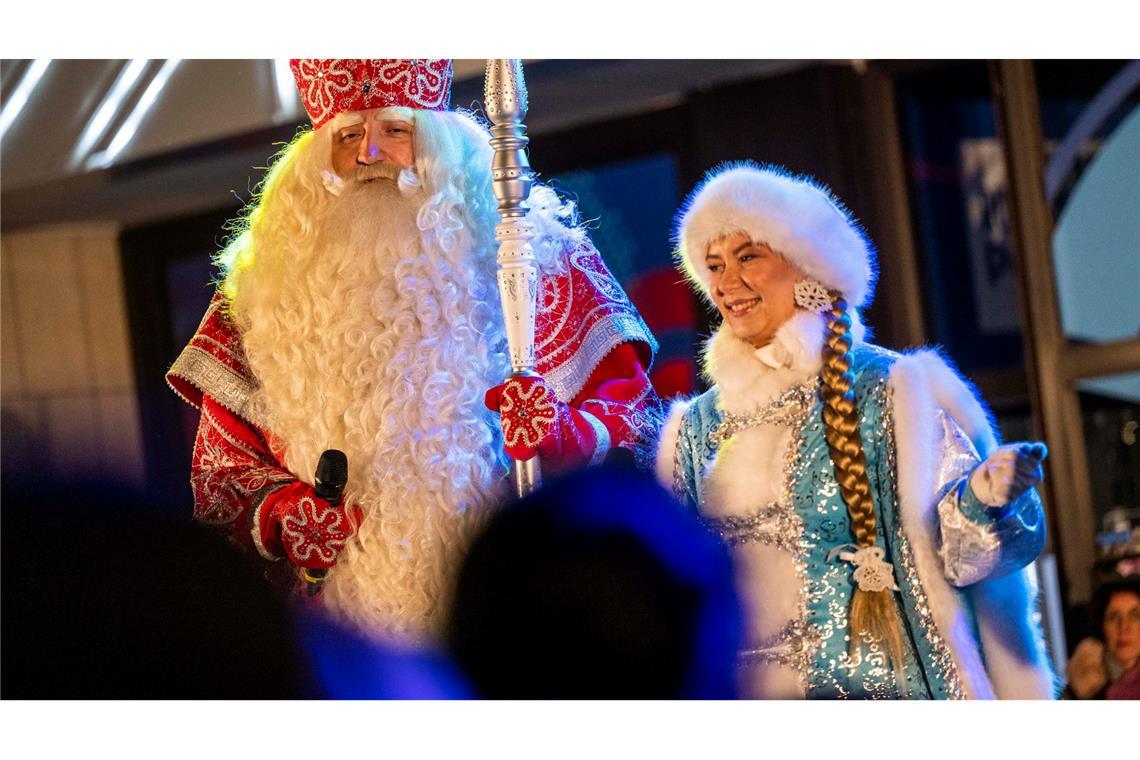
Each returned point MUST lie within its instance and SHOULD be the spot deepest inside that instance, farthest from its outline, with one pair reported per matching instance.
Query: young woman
(882, 537)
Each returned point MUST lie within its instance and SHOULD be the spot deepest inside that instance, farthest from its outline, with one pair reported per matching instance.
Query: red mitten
(311, 531)
(528, 410)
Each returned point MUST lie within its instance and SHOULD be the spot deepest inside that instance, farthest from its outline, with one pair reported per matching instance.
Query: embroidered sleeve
(583, 315)
(687, 455)
(232, 472)
(619, 400)
(595, 351)
(213, 364)
(977, 542)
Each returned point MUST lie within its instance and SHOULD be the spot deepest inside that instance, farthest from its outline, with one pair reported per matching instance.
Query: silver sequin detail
(866, 669)
(943, 660)
(789, 408)
(795, 468)
(793, 646)
(775, 524)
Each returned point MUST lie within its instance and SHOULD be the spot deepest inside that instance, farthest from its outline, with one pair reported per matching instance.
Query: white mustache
(370, 172)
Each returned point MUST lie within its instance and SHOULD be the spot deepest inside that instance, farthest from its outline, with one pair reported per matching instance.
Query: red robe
(591, 346)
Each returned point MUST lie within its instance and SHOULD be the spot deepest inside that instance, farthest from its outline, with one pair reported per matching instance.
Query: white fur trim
(745, 381)
(1003, 606)
(794, 215)
(1016, 668)
(601, 437)
(916, 428)
(667, 443)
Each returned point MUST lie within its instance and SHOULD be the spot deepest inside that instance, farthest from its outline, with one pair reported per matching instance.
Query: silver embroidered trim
(792, 406)
(797, 644)
(794, 470)
(678, 476)
(793, 646)
(218, 491)
(304, 529)
(604, 336)
(775, 524)
(255, 528)
(211, 376)
(943, 656)
(601, 437)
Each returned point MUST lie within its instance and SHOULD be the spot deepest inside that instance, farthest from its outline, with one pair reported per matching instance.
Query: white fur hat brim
(794, 215)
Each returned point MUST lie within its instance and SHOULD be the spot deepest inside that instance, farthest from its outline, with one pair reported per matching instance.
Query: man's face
(752, 286)
(371, 136)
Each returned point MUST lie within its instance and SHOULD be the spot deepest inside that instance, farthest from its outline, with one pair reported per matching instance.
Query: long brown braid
(873, 613)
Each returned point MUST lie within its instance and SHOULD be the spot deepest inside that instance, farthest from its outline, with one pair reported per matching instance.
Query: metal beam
(1097, 359)
(1052, 394)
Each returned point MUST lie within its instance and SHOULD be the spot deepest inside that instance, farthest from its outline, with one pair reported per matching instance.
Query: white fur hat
(795, 216)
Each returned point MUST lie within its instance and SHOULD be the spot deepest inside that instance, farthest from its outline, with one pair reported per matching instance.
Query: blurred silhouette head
(598, 585)
(104, 598)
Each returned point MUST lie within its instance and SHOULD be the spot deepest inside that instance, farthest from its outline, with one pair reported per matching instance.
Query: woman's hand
(1008, 473)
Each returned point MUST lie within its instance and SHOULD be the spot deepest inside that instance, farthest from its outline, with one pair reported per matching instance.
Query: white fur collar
(749, 377)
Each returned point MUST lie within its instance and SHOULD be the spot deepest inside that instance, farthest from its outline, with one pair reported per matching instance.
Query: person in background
(1106, 665)
(882, 535)
(596, 586)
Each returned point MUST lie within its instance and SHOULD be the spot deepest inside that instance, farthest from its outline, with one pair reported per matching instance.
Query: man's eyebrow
(742, 246)
(347, 120)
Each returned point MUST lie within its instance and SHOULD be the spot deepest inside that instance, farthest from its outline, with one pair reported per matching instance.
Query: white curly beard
(376, 332)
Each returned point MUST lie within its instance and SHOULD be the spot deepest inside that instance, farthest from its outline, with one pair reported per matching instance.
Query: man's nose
(370, 150)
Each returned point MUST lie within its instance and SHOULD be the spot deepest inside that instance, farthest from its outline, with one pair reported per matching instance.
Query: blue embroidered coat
(758, 471)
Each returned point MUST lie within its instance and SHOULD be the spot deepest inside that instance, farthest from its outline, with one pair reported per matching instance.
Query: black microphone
(329, 481)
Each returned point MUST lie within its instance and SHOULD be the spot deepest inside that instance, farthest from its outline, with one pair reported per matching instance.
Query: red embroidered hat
(329, 86)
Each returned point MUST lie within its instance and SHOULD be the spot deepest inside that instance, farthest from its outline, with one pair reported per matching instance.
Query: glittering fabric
(790, 407)
(329, 86)
(213, 363)
(792, 646)
(232, 465)
(633, 422)
(975, 542)
(838, 669)
(774, 524)
(940, 670)
(528, 410)
(777, 524)
(808, 522)
(313, 531)
(583, 315)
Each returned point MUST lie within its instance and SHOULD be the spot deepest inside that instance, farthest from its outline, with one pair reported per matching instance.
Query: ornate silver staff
(504, 97)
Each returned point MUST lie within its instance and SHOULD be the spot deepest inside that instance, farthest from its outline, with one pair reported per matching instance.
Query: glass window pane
(1096, 242)
(1090, 117)
(957, 173)
(1110, 412)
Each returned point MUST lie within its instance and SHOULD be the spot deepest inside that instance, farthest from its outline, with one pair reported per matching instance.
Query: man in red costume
(358, 311)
